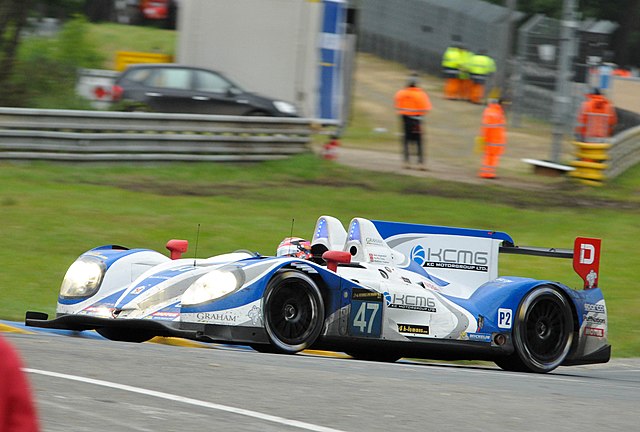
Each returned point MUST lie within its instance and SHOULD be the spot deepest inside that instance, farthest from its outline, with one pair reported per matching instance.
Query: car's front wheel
(542, 332)
(293, 312)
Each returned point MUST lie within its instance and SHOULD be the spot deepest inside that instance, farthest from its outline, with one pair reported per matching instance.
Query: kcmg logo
(418, 254)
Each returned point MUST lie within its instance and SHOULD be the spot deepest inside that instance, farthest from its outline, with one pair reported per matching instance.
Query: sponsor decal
(255, 316)
(216, 316)
(505, 318)
(591, 278)
(138, 290)
(429, 285)
(595, 320)
(412, 302)
(595, 332)
(378, 258)
(374, 241)
(362, 294)
(415, 329)
(458, 259)
(479, 337)
(597, 308)
(480, 323)
(586, 260)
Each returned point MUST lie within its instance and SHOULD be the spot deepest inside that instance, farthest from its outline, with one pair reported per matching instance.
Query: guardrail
(624, 152)
(71, 135)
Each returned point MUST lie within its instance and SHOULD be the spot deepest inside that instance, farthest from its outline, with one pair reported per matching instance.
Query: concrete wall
(266, 46)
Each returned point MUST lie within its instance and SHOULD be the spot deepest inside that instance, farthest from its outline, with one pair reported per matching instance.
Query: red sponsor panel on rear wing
(586, 260)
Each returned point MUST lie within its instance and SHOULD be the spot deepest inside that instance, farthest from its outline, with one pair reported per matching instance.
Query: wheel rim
(543, 332)
(293, 312)
(546, 332)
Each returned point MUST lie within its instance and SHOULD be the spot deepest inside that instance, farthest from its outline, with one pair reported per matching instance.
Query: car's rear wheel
(542, 332)
(293, 312)
(124, 335)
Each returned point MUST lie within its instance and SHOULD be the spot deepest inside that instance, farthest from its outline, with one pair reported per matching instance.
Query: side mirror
(177, 248)
(333, 258)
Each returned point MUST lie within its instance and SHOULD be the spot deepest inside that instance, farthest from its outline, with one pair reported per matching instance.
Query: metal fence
(115, 136)
(417, 32)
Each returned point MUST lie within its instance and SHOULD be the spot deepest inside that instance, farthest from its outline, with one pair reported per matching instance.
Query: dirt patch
(451, 129)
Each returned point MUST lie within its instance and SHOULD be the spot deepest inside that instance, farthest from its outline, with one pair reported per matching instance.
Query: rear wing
(585, 255)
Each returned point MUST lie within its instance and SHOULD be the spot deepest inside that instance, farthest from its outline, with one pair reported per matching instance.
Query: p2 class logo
(586, 260)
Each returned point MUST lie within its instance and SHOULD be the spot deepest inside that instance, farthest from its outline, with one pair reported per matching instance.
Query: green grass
(51, 213)
(111, 38)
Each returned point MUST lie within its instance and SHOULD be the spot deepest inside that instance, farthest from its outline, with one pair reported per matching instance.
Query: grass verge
(52, 213)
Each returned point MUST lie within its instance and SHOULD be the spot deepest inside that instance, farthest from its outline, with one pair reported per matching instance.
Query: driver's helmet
(294, 247)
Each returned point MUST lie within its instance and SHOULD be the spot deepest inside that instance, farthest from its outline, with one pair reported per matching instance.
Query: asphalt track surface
(91, 384)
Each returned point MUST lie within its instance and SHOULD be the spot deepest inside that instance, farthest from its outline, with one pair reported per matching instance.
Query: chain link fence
(417, 32)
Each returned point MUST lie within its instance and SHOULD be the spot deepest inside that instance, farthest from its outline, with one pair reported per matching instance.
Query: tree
(13, 17)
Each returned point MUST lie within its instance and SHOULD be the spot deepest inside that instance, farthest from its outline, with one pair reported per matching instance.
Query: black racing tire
(264, 348)
(293, 312)
(378, 356)
(124, 335)
(542, 332)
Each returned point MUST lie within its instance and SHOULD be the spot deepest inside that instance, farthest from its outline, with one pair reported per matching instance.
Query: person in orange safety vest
(494, 136)
(412, 104)
(596, 119)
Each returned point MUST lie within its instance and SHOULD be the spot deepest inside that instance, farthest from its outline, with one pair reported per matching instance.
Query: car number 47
(360, 320)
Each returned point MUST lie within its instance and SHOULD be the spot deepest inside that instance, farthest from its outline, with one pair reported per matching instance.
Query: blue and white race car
(377, 291)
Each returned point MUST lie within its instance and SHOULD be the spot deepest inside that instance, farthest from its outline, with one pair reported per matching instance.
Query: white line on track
(186, 400)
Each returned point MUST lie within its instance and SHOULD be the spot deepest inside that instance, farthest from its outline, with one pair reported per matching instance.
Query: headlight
(285, 107)
(83, 278)
(213, 285)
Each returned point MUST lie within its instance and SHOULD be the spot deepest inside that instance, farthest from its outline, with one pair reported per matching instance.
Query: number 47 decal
(360, 320)
(365, 319)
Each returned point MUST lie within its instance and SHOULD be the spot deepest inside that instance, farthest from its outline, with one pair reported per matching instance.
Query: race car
(376, 291)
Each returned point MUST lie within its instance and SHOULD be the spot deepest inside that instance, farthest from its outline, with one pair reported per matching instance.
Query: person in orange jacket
(17, 411)
(412, 104)
(596, 118)
(494, 135)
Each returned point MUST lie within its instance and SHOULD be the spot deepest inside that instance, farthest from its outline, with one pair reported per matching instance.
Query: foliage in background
(119, 37)
(46, 72)
(13, 17)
